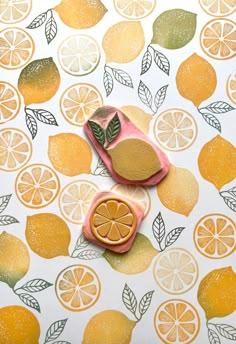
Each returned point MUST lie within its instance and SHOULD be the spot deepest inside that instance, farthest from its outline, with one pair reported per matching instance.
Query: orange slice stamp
(112, 221)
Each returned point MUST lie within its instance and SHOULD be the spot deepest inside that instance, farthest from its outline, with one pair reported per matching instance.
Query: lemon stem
(50, 10)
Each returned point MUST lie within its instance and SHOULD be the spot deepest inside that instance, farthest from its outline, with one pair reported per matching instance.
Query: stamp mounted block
(129, 155)
(112, 221)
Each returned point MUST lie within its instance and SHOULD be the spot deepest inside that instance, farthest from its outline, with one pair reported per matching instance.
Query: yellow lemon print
(109, 326)
(139, 117)
(69, 154)
(80, 14)
(123, 41)
(136, 193)
(129, 263)
(215, 236)
(173, 29)
(175, 271)
(175, 130)
(75, 200)
(37, 186)
(9, 102)
(218, 8)
(217, 161)
(39, 81)
(196, 79)
(231, 87)
(217, 293)
(133, 9)
(14, 260)
(217, 39)
(18, 325)
(15, 149)
(77, 287)
(12, 12)
(17, 48)
(177, 321)
(179, 190)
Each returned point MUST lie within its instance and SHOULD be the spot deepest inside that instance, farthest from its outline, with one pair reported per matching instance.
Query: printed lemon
(134, 159)
(173, 29)
(175, 271)
(12, 12)
(80, 14)
(123, 41)
(18, 325)
(110, 327)
(17, 48)
(39, 81)
(69, 154)
(139, 117)
(218, 8)
(14, 259)
(217, 293)
(179, 190)
(177, 321)
(15, 149)
(217, 161)
(217, 39)
(75, 200)
(215, 236)
(47, 235)
(9, 102)
(133, 9)
(77, 287)
(196, 79)
(136, 193)
(231, 87)
(129, 263)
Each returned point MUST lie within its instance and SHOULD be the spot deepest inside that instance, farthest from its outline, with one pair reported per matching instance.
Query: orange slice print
(14, 11)
(17, 48)
(77, 287)
(75, 200)
(176, 321)
(136, 193)
(113, 221)
(9, 102)
(175, 271)
(218, 39)
(218, 8)
(175, 130)
(79, 101)
(133, 9)
(15, 149)
(215, 236)
(37, 186)
(231, 87)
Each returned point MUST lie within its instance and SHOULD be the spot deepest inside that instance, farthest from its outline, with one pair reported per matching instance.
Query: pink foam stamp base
(102, 116)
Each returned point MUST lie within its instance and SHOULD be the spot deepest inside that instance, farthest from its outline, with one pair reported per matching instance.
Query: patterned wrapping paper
(177, 284)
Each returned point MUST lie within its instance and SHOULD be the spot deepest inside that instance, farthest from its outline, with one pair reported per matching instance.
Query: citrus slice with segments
(176, 321)
(75, 200)
(17, 48)
(77, 287)
(14, 11)
(215, 236)
(133, 9)
(218, 8)
(9, 102)
(79, 55)
(175, 130)
(113, 221)
(231, 87)
(15, 149)
(79, 101)
(218, 39)
(37, 186)
(175, 271)
(136, 193)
